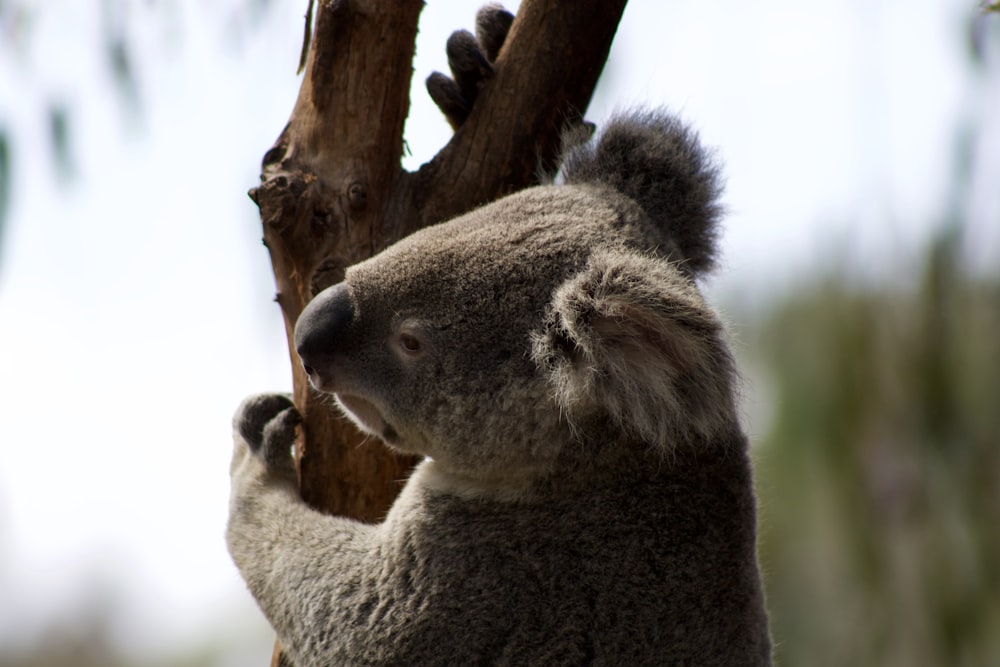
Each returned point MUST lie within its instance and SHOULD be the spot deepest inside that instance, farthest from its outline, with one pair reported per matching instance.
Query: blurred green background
(879, 477)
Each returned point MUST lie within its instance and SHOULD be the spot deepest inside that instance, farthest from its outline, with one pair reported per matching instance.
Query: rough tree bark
(333, 191)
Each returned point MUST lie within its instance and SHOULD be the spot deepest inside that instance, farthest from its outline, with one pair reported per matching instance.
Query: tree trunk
(333, 191)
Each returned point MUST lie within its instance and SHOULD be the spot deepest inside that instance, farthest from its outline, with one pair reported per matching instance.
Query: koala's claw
(255, 413)
(448, 98)
(492, 25)
(266, 422)
(278, 436)
(471, 61)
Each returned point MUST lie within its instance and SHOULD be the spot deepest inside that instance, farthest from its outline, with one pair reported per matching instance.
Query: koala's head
(492, 342)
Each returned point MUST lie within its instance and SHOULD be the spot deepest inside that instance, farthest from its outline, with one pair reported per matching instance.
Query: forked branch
(333, 191)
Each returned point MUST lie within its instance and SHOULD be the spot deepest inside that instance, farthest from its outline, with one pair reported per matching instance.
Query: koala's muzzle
(321, 327)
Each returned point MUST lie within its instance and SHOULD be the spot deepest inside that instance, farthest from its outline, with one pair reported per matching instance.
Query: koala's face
(486, 341)
(556, 315)
(428, 345)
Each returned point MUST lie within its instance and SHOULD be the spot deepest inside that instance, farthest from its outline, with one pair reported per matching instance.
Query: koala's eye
(408, 339)
(410, 343)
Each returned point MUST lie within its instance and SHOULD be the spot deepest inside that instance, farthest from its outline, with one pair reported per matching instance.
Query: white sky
(135, 306)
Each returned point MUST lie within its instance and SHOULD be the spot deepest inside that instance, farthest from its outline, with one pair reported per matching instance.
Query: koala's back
(653, 571)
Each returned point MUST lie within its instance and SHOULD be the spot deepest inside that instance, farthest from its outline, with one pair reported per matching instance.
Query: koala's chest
(609, 577)
(551, 559)
(517, 583)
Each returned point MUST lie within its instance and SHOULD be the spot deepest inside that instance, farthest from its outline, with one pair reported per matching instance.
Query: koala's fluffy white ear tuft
(631, 335)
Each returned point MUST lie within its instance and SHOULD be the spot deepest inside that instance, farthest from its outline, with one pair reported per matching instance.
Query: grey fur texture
(654, 159)
(587, 497)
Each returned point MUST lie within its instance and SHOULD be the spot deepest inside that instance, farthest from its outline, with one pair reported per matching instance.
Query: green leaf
(4, 181)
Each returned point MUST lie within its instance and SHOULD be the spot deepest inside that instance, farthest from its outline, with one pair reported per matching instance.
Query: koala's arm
(300, 565)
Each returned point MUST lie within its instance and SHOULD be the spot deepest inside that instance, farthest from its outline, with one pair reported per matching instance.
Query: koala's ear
(657, 161)
(631, 336)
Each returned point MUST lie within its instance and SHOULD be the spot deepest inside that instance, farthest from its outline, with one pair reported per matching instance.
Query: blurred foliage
(880, 477)
(91, 635)
(4, 177)
(121, 21)
(62, 154)
(119, 57)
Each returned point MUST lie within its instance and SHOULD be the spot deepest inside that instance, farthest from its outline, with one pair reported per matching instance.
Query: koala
(585, 495)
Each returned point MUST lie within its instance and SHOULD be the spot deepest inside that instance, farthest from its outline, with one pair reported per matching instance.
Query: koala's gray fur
(587, 497)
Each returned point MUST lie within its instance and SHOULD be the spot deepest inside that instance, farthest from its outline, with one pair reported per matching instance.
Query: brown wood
(333, 191)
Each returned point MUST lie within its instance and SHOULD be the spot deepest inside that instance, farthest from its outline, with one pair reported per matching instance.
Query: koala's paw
(266, 423)
(471, 61)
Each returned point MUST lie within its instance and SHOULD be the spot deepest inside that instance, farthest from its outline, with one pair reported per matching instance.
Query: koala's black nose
(322, 324)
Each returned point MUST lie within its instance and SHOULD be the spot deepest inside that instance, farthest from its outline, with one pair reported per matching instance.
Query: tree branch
(545, 75)
(326, 187)
(333, 191)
